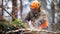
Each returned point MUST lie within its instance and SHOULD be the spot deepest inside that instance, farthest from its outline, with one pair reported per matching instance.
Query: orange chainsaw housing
(44, 25)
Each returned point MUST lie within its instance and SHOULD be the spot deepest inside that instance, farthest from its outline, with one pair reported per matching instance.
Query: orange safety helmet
(34, 4)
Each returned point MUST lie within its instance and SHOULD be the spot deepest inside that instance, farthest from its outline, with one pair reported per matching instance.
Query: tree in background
(21, 8)
(14, 9)
(53, 15)
(1, 12)
(58, 23)
(53, 11)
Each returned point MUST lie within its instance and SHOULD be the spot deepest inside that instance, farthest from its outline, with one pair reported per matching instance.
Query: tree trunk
(53, 11)
(21, 8)
(1, 12)
(14, 9)
(58, 24)
(53, 15)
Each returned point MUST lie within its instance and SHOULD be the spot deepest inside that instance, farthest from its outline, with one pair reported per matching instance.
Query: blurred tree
(58, 24)
(53, 11)
(1, 12)
(59, 12)
(53, 15)
(21, 8)
(2, 7)
(14, 9)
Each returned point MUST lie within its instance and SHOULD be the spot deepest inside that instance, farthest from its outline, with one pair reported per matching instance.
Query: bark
(53, 15)
(14, 9)
(58, 24)
(1, 12)
(21, 8)
(53, 11)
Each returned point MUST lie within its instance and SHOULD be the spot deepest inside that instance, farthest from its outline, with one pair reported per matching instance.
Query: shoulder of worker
(43, 12)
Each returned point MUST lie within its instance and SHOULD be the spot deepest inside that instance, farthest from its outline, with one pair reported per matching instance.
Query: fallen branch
(32, 31)
(9, 13)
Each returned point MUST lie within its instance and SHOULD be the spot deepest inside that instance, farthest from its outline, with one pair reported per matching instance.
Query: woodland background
(15, 9)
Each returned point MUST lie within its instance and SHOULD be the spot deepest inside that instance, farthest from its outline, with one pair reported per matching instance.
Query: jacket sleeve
(45, 20)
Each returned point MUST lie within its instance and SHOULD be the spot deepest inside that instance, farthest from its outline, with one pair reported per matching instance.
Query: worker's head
(35, 5)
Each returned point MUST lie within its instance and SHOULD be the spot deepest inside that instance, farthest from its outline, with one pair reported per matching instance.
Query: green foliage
(18, 22)
(4, 27)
